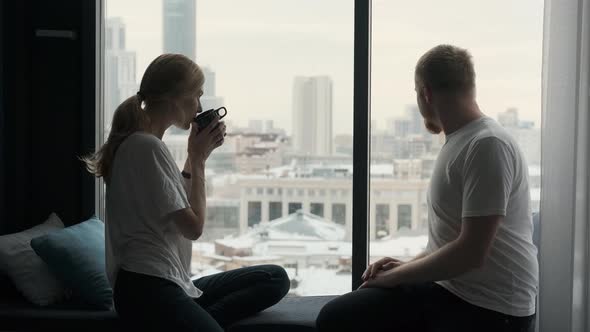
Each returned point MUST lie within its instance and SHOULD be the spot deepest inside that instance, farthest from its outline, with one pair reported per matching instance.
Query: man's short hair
(446, 68)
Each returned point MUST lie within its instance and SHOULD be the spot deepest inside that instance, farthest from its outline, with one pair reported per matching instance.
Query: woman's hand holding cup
(202, 142)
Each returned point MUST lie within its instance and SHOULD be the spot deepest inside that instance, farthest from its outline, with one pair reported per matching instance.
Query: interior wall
(47, 99)
(2, 195)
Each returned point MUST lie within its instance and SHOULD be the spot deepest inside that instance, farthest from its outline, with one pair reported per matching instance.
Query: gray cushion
(291, 314)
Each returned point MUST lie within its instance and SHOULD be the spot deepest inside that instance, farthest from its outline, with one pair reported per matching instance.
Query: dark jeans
(422, 307)
(156, 304)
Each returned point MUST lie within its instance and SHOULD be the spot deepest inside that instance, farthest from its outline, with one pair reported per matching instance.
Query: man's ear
(427, 93)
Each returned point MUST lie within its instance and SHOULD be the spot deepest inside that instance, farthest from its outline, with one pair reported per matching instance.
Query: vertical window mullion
(361, 147)
(99, 191)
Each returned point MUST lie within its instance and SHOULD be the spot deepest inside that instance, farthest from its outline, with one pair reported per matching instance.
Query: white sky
(256, 47)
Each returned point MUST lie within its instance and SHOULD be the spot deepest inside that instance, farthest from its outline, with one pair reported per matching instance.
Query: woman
(154, 212)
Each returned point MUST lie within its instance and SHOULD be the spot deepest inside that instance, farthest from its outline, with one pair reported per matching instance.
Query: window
(275, 210)
(109, 38)
(291, 112)
(254, 213)
(122, 40)
(404, 216)
(221, 218)
(499, 35)
(382, 220)
(294, 207)
(317, 209)
(339, 213)
(224, 216)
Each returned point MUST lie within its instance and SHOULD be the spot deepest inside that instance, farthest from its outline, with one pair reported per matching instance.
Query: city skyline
(258, 47)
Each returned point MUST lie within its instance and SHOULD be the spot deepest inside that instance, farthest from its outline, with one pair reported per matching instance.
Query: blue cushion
(76, 255)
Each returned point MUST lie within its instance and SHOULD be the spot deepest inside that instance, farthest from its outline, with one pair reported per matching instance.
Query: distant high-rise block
(509, 118)
(269, 126)
(179, 27)
(312, 115)
(416, 120)
(255, 126)
(209, 99)
(120, 67)
(209, 87)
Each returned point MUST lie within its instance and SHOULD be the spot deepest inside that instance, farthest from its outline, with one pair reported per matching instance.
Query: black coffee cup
(205, 118)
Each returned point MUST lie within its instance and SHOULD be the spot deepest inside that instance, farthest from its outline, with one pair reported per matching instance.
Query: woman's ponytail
(128, 119)
(168, 77)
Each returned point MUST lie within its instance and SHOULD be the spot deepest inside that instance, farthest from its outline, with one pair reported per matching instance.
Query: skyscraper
(209, 87)
(509, 118)
(179, 27)
(255, 126)
(525, 133)
(210, 99)
(120, 68)
(312, 115)
(416, 120)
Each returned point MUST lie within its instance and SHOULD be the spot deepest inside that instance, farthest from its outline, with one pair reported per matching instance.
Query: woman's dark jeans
(152, 303)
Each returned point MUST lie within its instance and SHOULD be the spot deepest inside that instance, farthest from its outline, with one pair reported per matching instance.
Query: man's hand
(383, 279)
(384, 264)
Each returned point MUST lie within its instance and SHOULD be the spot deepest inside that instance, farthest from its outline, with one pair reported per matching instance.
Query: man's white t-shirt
(481, 171)
(144, 188)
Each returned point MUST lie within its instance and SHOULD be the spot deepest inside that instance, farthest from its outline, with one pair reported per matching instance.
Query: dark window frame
(361, 142)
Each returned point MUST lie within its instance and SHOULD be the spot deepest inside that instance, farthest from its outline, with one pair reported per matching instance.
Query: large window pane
(505, 39)
(282, 181)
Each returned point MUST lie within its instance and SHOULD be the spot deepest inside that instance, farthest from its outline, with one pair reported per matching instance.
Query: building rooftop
(300, 226)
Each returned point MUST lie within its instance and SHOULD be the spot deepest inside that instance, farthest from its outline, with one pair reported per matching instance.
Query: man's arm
(419, 256)
(469, 251)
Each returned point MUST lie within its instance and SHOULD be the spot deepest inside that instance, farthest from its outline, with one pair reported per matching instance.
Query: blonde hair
(446, 68)
(169, 77)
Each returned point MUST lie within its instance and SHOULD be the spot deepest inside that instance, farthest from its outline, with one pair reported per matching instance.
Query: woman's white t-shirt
(144, 188)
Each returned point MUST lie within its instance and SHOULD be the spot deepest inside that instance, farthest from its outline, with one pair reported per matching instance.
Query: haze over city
(256, 48)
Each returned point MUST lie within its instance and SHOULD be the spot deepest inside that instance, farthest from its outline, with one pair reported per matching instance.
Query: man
(479, 270)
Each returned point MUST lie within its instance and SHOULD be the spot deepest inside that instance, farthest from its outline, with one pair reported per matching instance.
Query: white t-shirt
(145, 187)
(481, 171)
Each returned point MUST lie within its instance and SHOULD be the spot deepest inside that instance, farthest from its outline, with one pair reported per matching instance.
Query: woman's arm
(198, 193)
(201, 143)
(186, 180)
